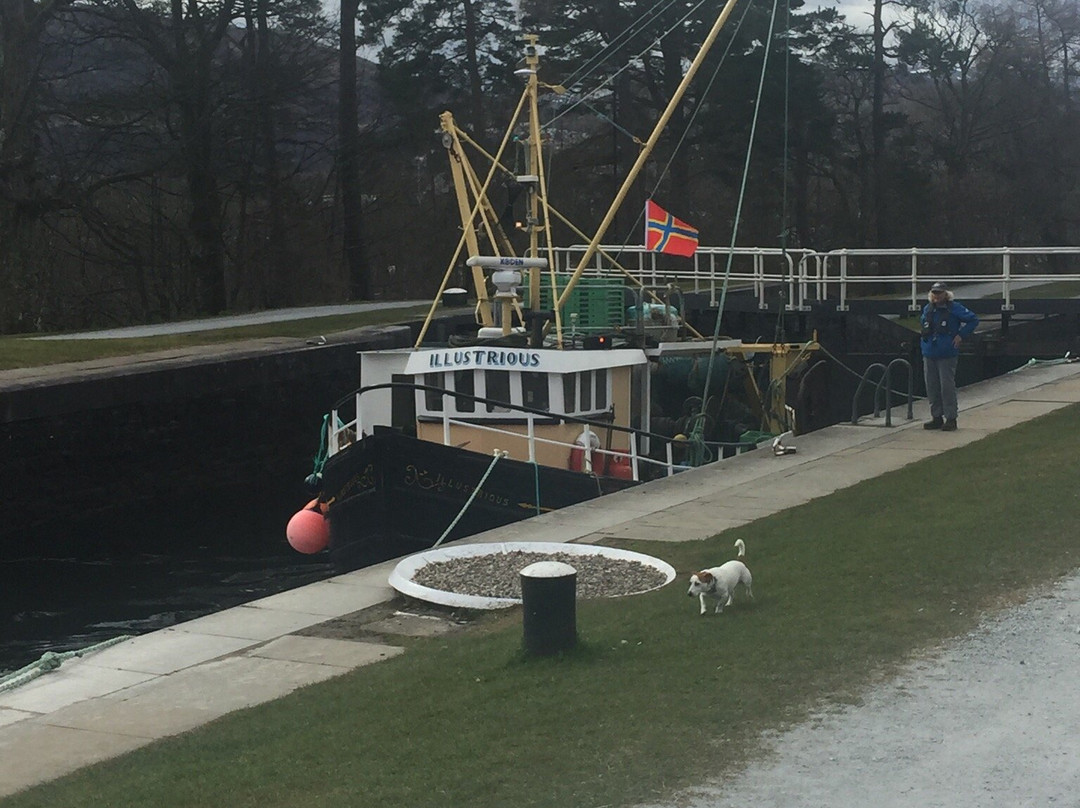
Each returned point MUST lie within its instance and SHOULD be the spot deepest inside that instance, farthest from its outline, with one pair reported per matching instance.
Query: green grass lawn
(23, 352)
(848, 587)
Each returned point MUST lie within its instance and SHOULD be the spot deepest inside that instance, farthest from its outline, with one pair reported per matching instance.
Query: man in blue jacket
(945, 323)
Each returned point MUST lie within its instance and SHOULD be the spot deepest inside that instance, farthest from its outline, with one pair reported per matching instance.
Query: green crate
(598, 302)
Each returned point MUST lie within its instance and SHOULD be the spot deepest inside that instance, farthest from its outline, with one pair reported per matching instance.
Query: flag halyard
(666, 234)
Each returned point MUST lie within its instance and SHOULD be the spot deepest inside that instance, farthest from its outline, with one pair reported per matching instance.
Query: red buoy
(307, 531)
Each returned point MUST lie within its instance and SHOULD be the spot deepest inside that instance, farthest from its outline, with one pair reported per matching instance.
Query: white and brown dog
(720, 582)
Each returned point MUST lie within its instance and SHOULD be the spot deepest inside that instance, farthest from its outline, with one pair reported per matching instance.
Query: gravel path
(994, 719)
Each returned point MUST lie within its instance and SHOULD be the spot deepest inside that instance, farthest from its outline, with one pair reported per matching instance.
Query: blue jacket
(940, 324)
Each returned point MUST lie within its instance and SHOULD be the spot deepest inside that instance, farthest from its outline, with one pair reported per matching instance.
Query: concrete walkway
(174, 680)
(235, 320)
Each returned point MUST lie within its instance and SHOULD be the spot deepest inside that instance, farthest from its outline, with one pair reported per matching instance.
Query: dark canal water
(149, 500)
(149, 568)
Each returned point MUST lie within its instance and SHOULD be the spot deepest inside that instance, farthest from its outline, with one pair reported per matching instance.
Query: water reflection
(65, 604)
(133, 570)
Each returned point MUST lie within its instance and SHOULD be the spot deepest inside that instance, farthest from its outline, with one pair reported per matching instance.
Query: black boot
(949, 426)
(936, 423)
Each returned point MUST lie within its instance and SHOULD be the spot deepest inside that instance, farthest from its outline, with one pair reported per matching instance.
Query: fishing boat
(566, 386)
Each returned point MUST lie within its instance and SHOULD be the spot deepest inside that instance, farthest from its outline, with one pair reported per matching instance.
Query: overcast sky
(858, 13)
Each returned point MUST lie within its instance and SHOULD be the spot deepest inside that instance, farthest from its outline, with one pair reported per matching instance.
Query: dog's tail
(741, 547)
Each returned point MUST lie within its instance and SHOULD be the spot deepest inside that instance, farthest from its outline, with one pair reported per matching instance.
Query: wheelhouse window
(433, 399)
(569, 387)
(600, 376)
(586, 392)
(497, 386)
(464, 382)
(534, 390)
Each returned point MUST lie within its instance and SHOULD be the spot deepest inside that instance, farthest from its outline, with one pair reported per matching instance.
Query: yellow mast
(467, 222)
(661, 124)
(457, 171)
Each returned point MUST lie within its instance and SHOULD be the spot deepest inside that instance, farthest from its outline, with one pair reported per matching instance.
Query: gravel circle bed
(497, 575)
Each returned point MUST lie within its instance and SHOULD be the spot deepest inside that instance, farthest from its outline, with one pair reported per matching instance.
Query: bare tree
(183, 42)
(348, 160)
(23, 198)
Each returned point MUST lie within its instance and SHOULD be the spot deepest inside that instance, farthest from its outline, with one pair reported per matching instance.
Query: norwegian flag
(666, 234)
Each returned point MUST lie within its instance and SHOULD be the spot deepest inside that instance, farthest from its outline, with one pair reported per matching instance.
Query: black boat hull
(390, 494)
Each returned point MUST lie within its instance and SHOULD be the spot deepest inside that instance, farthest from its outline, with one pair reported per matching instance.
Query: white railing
(636, 458)
(342, 433)
(839, 276)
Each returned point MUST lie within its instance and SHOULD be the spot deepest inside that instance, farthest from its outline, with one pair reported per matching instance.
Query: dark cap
(939, 287)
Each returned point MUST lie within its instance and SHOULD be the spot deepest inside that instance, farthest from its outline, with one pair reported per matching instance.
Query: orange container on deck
(619, 465)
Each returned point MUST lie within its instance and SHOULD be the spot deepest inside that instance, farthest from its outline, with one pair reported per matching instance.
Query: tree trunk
(476, 85)
(349, 156)
(279, 257)
(21, 25)
(879, 219)
(204, 218)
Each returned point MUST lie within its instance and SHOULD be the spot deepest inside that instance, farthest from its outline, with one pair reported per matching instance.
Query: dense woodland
(161, 160)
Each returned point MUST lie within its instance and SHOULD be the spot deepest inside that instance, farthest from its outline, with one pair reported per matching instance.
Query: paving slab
(684, 527)
(710, 507)
(250, 623)
(74, 681)
(773, 493)
(166, 651)
(345, 654)
(1018, 410)
(374, 577)
(192, 697)
(11, 716)
(326, 598)
(1006, 415)
(1066, 391)
(843, 471)
(37, 753)
(637, 531)
(577, 519)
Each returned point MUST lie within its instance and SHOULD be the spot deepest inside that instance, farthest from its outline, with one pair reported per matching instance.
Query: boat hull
(390, 494)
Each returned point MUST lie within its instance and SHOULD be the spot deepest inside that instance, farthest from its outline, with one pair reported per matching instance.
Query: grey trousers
(940, 377)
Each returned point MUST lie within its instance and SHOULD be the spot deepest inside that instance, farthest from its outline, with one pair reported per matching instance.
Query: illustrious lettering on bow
(426, 481)
(484, 358)
(363, 481)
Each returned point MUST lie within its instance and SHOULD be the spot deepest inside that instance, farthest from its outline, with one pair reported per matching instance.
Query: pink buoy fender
(308, 531)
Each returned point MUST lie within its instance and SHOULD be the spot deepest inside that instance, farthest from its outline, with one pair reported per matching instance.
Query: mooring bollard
(549, 600)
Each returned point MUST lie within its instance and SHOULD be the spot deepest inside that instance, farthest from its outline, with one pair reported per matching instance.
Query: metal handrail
(885, 380)
(862, 383)
(834, 276)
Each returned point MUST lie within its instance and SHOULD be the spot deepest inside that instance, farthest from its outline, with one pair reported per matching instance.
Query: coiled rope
(50, 661)
(499, 455)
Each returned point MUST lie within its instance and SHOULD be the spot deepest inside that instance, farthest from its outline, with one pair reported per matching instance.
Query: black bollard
(549, 599)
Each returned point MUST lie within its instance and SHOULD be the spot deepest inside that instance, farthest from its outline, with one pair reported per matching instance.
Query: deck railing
(839, 276)
(345, 425)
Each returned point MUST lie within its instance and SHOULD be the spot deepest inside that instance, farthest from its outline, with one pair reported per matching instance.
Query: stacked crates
(598, 302)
